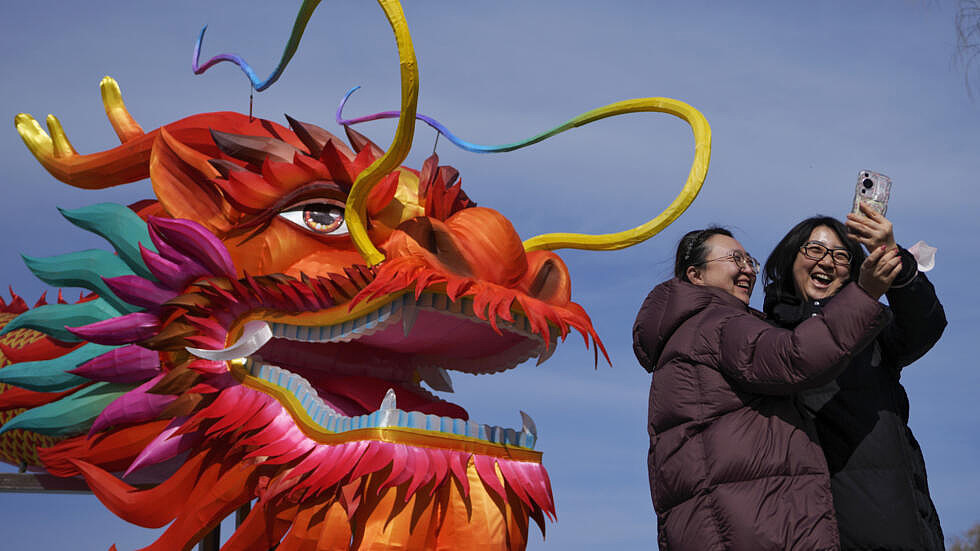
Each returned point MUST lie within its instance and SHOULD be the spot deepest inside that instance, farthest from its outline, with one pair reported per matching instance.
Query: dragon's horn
(359, 141)
(253, 149)
(372, 175)
(122, 122)
(314, 137)
(56, 154)
(639, 234)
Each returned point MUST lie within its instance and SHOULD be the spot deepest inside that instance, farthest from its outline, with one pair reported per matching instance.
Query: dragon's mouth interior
(369, 371)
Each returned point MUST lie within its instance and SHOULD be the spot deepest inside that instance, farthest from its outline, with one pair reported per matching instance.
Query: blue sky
(799, 99)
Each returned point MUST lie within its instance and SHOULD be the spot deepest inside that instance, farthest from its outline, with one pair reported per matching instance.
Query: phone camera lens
(867, 183)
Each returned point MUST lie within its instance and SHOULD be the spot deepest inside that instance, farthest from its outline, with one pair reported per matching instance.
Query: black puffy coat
(733, 463)
(878, 475)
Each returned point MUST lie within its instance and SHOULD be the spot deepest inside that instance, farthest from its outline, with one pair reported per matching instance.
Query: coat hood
(668, 306)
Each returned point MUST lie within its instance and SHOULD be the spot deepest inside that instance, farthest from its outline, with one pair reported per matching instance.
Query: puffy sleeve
(765, 359)
(919, 318)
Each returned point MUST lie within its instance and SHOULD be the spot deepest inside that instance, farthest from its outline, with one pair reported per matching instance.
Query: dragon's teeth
(409, 314)
(527, 425)
(389, 401)
(387, 413)
(254, 337)
(437, 378)
(406, 311)
(546, 353)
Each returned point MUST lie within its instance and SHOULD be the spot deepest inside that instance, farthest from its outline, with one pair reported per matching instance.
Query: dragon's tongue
(368, 392)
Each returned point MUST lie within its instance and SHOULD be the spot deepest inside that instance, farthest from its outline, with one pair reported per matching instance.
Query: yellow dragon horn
(639, 234)
(96, 170)
(369, 177)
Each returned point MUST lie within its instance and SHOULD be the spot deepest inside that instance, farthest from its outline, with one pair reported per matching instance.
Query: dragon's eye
(321, 216)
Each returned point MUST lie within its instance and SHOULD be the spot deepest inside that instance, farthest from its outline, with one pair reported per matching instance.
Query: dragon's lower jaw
(364, 373)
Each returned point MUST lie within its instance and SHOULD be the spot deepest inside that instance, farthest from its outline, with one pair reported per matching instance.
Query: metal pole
(241, 513)
(41, 484)
(212, 541)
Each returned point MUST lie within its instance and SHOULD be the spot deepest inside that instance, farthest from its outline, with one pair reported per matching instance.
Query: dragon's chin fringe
(365, 513)
(246, 448)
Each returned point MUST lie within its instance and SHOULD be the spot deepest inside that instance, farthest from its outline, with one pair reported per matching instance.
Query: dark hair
(692, 251)
(778, 271)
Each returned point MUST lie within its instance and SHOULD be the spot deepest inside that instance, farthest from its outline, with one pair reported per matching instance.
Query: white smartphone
(872, 189)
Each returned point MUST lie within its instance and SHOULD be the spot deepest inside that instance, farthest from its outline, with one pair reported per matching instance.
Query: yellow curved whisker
(690, 190)
(400, 146)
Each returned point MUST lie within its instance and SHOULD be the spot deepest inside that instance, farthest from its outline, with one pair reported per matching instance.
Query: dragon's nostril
(548, 278)
(544, 283)
(433, 236)
(420, 229)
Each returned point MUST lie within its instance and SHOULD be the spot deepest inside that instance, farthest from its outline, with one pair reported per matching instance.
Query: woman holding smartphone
(878, 476)
(733, 462)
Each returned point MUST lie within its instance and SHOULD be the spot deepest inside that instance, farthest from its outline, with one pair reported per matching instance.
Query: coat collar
(789, 311)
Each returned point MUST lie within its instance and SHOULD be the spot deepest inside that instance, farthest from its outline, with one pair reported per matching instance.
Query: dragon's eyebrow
(316, 188)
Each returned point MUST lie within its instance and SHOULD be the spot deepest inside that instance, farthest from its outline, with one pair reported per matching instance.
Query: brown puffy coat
(733, 463)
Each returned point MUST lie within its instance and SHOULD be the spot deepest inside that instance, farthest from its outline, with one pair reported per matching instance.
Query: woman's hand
(871, 230)
(879, 270)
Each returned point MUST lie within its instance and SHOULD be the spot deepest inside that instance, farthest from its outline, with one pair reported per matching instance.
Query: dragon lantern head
(266, 324)
(245, 317)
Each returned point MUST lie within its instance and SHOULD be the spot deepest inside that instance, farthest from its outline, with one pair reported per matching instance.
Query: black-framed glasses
(815, 250)
(740, 259)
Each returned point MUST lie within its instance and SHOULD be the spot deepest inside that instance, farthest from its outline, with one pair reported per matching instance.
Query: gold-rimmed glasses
(742, 260)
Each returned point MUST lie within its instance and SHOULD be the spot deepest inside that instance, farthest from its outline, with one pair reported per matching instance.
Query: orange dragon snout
(480, 243)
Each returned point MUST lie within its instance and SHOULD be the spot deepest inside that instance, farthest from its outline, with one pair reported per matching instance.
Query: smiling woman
(878, 475)
(715, 259)
(733, 463)
(820, 257)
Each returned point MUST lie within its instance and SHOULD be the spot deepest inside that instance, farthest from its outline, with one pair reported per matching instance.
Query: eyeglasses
(815, 250)
(740, 259)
